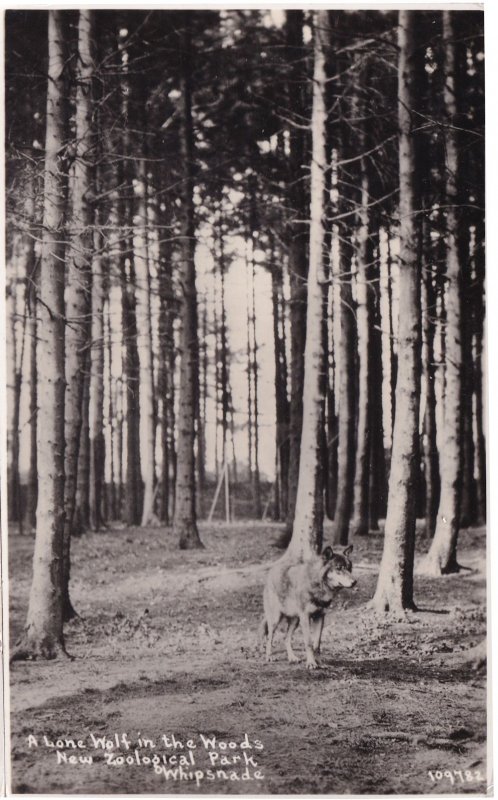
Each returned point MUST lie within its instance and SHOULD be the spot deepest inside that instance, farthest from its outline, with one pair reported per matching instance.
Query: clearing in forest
(166, 646)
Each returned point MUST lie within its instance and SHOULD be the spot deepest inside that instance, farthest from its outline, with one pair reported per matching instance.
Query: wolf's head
(337, 569)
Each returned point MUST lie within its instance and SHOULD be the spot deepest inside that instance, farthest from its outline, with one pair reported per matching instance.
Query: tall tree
(430, 454)
(78, 289)
(167, 368)
(96, 388)
(13, 396)
(364, 319)
(144, 341)
(44, 633)
(441, 557)
(307, 532)
(133, 494)
(281, 398)
(347, 371)
(33, 400)
(185, 523)
(298, 198)
(298, 245)
(394, 592)
(377, 495)
(479, 315)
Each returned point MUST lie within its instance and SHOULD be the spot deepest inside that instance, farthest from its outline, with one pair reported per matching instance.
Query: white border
(491, 379)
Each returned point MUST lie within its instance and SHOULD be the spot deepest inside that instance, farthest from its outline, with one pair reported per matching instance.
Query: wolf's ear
(327, 554)
(348, 550)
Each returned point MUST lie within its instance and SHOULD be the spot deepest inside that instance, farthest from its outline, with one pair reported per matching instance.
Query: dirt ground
(166, 646)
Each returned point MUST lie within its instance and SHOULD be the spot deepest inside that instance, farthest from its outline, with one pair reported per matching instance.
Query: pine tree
(394, 592)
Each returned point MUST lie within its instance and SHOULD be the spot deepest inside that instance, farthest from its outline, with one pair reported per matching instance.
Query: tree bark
(468, 502)
(201, 436)
(185, 522)
(347, 406)
(249, 362)
(256, 483)
(111, 411)
(13, 397)
(81, 518)
(378, 482)
(78, 289)
(298, 243)
(393, 354)
(307, 534)
(133, 492)
(430, 454)
(33, 407)
(281, 398)
(167, 349)
(394, 591)
(479, 316)
(96, 399)
(360, 517)
(144, 344)
(441, 558)
(44, 634)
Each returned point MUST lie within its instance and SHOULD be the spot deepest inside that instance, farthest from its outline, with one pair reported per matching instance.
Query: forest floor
(167, 646)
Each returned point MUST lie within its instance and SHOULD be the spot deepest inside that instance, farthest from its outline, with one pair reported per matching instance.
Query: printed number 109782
(456, 775)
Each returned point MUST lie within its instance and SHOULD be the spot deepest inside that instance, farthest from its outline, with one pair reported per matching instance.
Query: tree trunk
(44, 635)
(78, 289)
(249, 362)
(111, 411)
(431, 455)
(394, 591)
(479, 315)
(32, 287)
(393, 354)
(298, 256)
(185, 523)
(360, 520)
(281, 399)
(33, 409)
(256, 483)
(307, 532)
(441, 557)
(332, 436)
(223, 354)
(81, 518)
(119, 446)
(347, 406)
(201, 436)
(133, 491)
(13, 398)
(378, 483)
(144, 344)
(468, 502)
(167, 348)
(96, 410)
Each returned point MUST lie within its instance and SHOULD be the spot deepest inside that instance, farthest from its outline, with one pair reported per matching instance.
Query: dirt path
(167, 647)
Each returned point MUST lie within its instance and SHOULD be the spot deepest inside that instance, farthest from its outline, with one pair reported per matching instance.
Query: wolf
(301, 593)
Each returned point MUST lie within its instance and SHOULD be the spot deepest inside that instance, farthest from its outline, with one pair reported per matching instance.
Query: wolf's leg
(291, 627)
(262, 633)
(272, 625)
(317, 628)
(308, 643)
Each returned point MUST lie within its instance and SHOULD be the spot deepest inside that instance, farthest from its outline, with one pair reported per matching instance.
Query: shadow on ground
(166, 647)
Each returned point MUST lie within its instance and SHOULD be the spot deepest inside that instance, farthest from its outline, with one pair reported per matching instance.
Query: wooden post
(217, 492)
(227, 493)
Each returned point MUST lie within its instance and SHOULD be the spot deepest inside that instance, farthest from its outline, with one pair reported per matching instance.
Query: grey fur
(300, 593)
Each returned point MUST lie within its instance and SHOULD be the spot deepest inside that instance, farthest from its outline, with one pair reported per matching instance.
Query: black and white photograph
(244, 493)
